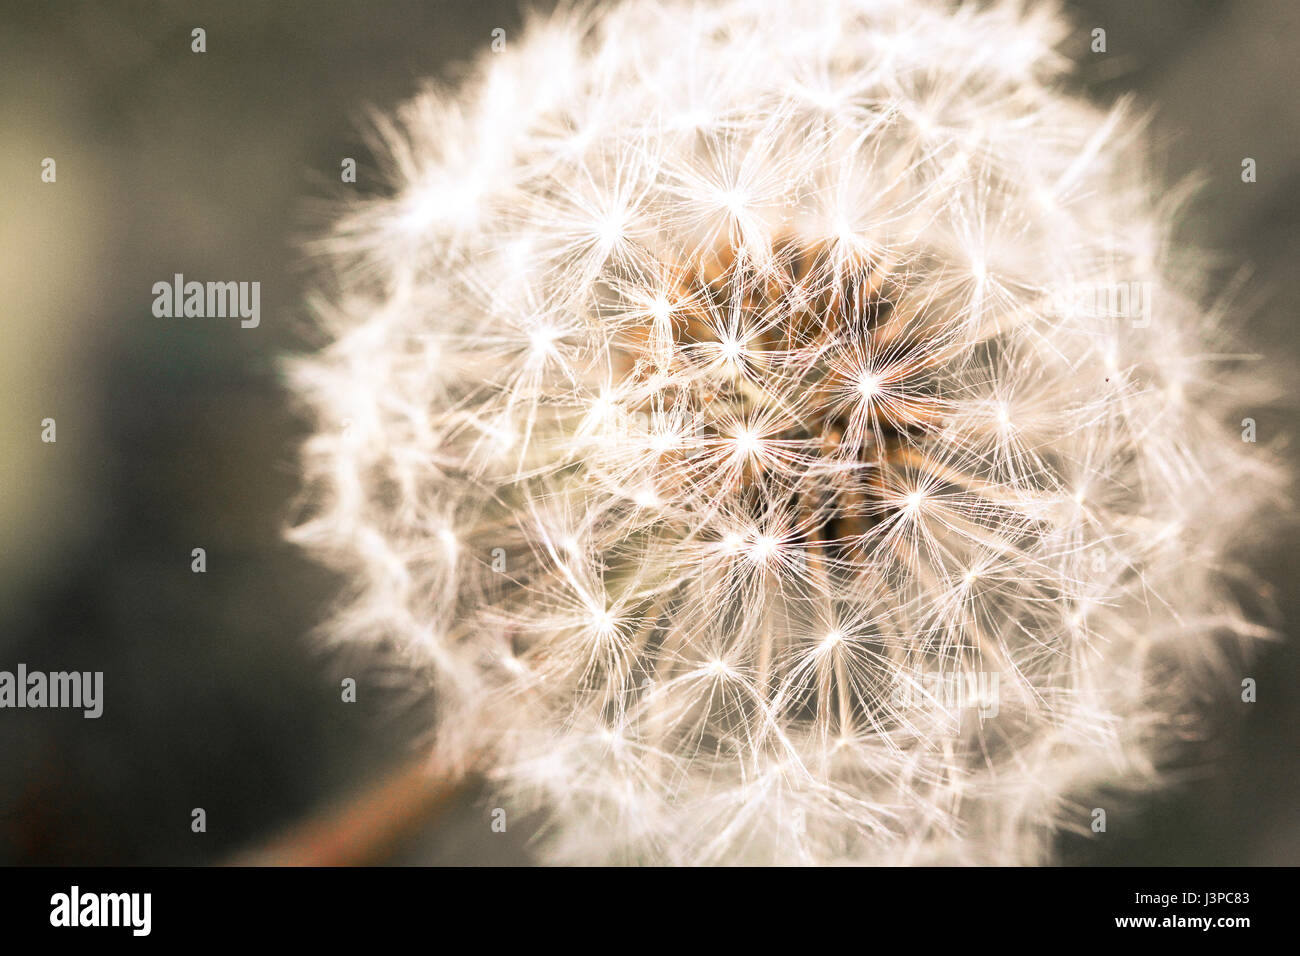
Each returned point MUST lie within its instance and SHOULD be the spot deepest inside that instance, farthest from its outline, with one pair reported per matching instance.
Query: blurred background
(177, 435)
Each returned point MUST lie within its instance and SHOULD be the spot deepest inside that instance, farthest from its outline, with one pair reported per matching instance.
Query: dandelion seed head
(727, 362)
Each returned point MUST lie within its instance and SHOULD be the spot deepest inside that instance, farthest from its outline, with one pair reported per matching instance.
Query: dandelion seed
(868, 385)
(763, 549)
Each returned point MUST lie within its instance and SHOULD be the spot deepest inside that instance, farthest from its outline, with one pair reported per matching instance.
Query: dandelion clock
(783, 434)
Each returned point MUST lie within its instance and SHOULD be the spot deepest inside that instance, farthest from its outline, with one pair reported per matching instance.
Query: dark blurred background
(176, 435)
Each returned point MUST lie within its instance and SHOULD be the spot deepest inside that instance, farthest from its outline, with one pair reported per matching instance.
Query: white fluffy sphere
(784, 433)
